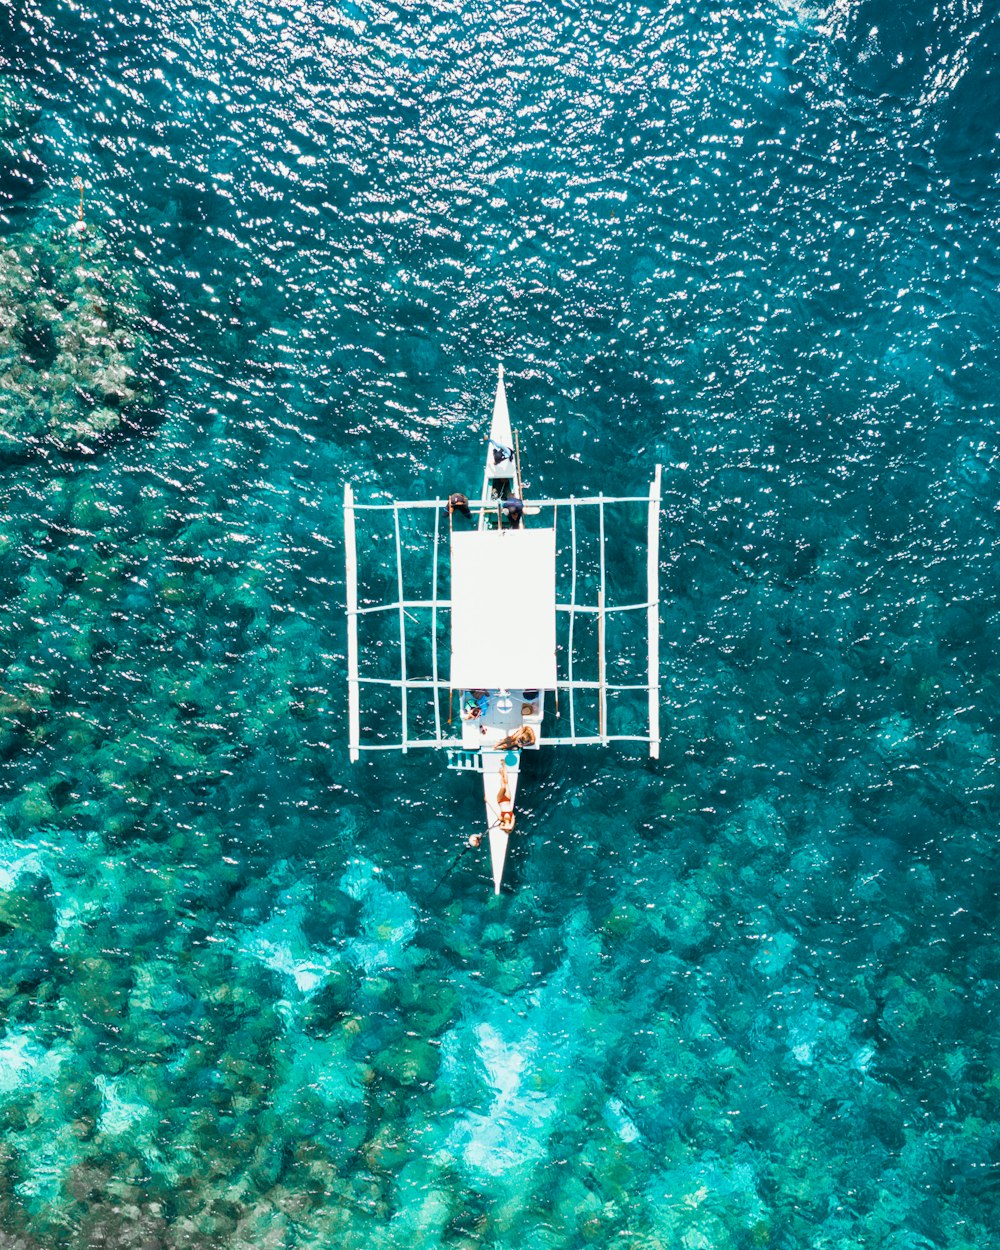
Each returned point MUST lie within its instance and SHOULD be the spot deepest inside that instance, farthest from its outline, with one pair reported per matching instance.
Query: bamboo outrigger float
(502, 675)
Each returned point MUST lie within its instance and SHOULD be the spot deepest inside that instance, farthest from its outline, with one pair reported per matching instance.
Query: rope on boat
(451, 867)
(80, 226)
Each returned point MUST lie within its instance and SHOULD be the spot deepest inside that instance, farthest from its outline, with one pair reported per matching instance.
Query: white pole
(572, 613)
(601, 658)
(602, 690)
(353, 689)
(653, 612)
(555, 541)
(402, 631)
(434, 632)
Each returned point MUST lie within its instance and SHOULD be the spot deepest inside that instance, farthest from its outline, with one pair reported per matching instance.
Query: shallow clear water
(253, 995)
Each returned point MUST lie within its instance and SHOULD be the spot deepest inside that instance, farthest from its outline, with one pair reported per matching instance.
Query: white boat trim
(353, 689)
(402, 629)
(425, 683)
(572, 612)
(434, 608)
(653, 613)
(457, 744)
(540, 504)
(602, 659)
(434, 604)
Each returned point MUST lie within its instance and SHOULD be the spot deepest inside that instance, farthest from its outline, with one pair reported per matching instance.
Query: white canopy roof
(503, 609)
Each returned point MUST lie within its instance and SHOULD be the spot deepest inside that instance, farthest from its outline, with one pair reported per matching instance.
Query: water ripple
(741, 997)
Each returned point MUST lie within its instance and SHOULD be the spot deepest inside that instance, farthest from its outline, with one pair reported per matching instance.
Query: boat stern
(499, 841)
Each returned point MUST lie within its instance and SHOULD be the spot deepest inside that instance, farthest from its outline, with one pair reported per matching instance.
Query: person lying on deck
(505, 803)
(523, 737)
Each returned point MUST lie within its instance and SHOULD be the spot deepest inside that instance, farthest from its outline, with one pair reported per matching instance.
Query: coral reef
(72, 338)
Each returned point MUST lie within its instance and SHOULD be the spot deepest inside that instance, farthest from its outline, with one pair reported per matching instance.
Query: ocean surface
(254, 996)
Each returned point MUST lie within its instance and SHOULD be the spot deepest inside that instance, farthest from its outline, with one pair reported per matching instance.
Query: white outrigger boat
(505, 643)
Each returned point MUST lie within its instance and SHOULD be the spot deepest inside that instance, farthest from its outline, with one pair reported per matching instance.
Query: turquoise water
(254, 996)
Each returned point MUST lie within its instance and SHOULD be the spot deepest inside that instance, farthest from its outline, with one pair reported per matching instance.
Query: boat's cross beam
(457, 744)
(403, 505)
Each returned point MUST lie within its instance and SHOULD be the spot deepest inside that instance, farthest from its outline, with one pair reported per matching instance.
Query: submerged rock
(21, 710)
(71, 338)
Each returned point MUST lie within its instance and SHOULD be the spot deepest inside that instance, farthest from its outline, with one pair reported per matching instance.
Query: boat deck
(503, 714)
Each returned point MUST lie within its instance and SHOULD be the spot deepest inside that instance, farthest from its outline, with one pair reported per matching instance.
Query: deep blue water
(252, 995)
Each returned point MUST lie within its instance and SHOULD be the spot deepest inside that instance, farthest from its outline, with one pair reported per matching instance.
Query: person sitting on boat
(523, 737)
(477, 703)
(514, 507)
(459, 503)
(501, 454)
(505, 803)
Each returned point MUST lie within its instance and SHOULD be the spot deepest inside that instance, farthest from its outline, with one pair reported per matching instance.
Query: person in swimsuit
(523, 737)
(505, 803)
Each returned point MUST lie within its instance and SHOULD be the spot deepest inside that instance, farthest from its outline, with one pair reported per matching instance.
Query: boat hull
(499, 767)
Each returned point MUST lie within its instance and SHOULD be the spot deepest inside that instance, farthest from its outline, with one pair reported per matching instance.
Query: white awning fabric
(503, 609)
